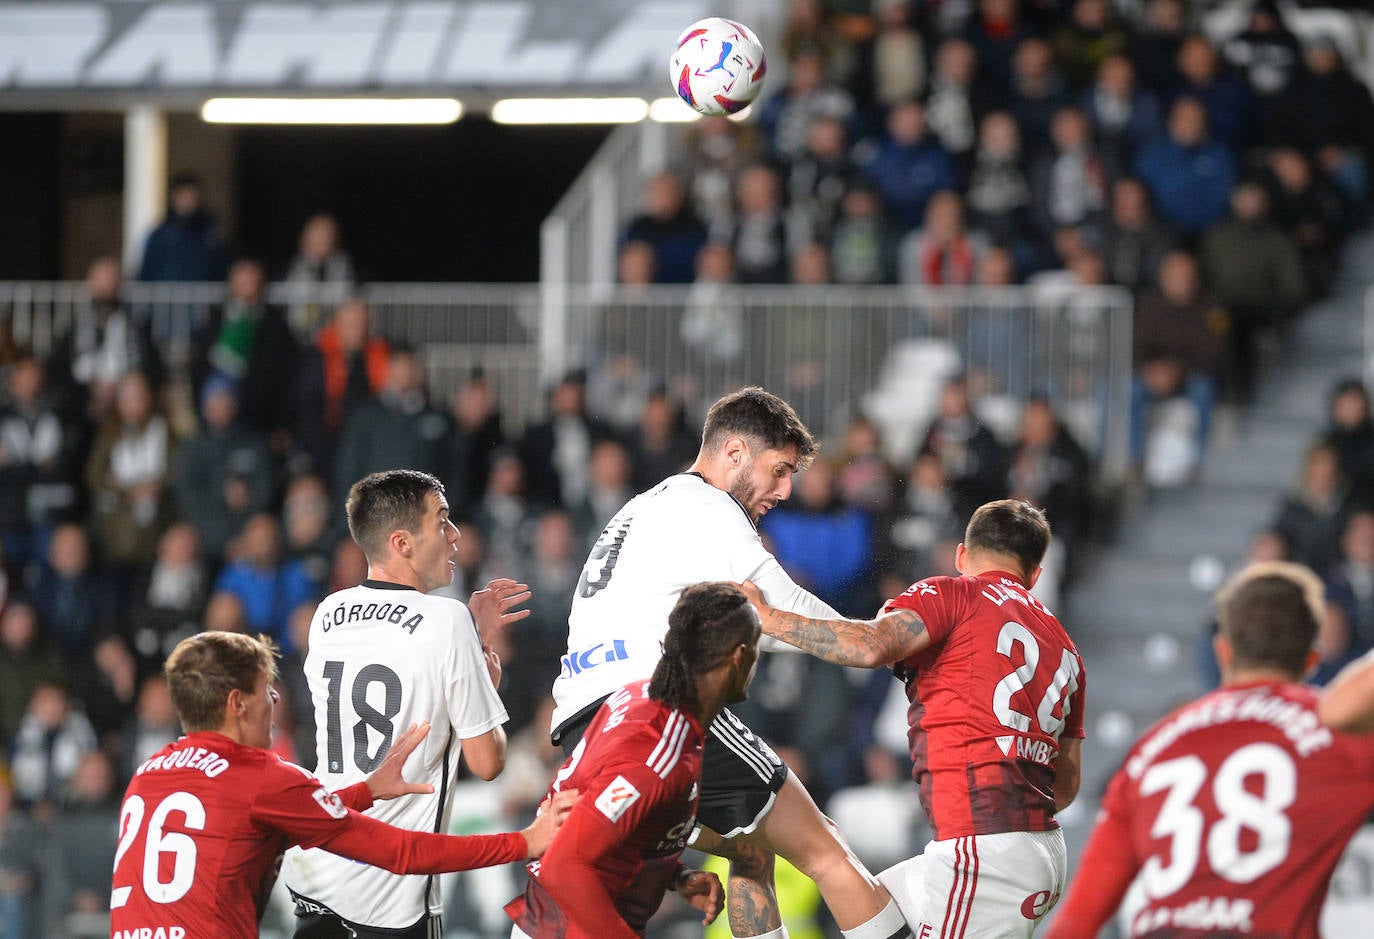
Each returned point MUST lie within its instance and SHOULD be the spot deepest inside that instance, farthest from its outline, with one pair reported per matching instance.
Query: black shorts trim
(314, 920)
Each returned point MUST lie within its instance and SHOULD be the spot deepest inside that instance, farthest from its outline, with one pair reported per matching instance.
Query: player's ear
(735, 450)
(399, 540)
(1034, 576)
(960, 557)
(1225, 655)
(1309, 667)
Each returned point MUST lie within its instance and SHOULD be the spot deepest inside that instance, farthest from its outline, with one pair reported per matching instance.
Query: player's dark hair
(761, 418)
(1270, 613)
(204, 668)
(708, 621)
(1010, 527)
(381, 503)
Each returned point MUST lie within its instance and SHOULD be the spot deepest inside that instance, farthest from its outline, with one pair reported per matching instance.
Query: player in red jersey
(639, 766)
(1233, 810)
(205, 821)
(996, 725)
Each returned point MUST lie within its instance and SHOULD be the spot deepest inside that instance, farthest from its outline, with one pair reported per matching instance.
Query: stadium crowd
(143, 499)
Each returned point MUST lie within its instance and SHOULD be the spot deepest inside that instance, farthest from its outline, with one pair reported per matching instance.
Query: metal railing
(833, 351)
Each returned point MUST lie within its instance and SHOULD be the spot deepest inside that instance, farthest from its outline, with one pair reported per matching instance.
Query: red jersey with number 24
(992, 695)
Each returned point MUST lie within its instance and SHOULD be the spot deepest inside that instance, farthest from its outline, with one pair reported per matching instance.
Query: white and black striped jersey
(382, 657)
(681, 532)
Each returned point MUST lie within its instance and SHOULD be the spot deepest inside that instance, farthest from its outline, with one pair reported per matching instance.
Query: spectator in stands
(956, 101)
(1312, 517)
(395, 430)
(943, 252)
(21, 853)
(152, 726)
(999, 196)
(891, 61)
(53, 738)
(163, 606)
(1134, 241)
(104, 343)
(248, 341)
(105, 685)
(1253, 268)
(84, 836)
(925, 514)
(1350, 431)
(717, 150)
(505, 517)
(306, 517)
(1179, 335)
(225, 613)
(27, 660)
(39, 465)
(129, 473)
(1038, 90)
(713, 326)
(864, 477)
(344, 369)
(818, 179)
(552, 569)
(1154, 50)
(321, 270)
(758, 235)
(1091, 35)
(188, 245)
(609, 473)
(1124, 117)
(224, 473)
(825, 545)
(268, 586)
(1350, 585)
(1069, 181)
(554, 452)
(1309, 207)
(1050, 470)
(786, 116)
(1266, 52)
(475, 437)
(75, 601)
(973, 461)
(660, 444)
(995, 30)
(1230, 106)
(863, 248)
(670, 226)
(909, 165)
(1189, 174)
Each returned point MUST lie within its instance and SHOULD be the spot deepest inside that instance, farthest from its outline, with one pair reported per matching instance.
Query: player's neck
(1257, 676)
(705, 467)
(394, 573)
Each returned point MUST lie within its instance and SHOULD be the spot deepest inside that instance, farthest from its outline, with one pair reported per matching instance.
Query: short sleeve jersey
(382, 657)
(681, 532)
(1238, 807)
(201, 831)
(637, 768)
(990, 698)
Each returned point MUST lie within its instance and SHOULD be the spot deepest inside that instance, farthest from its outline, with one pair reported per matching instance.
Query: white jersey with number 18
(681, 532)
(382, 657)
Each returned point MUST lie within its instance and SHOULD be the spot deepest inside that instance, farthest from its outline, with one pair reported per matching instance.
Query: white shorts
(980, 886)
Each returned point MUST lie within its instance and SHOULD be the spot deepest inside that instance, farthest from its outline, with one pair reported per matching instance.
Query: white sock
(779, 933)
(888, 924)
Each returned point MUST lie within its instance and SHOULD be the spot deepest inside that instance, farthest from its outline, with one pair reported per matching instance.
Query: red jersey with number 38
(1000, 684)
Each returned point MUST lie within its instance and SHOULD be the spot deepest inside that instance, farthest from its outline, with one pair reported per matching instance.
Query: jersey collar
(752, 523)
(1002, 575)
(386, 585)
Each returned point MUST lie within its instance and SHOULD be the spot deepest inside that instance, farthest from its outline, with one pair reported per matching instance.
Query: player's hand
(386, 781)
(493, 607)
(755, 595)
(702, 890)
(548, 819)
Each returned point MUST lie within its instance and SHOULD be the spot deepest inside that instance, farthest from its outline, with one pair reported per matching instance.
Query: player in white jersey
(700, 526)
(384, 655)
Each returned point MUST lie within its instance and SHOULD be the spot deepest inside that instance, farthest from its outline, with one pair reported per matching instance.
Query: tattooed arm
(884, 640)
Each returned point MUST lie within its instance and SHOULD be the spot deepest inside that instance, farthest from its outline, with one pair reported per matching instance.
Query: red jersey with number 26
(992, 695)
(1234, 810)
(637, 770)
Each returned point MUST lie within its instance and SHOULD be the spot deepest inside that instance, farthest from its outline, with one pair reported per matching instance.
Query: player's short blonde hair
(1270, 613)
(204, 668)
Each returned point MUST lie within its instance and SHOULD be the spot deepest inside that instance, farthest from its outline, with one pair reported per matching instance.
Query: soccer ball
(717, 66)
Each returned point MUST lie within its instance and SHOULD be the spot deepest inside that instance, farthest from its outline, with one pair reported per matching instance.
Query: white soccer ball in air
(717, 66)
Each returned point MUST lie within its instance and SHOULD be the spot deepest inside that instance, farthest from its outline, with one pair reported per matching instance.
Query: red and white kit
(1234, 810)
(991, 697)
(637, 769)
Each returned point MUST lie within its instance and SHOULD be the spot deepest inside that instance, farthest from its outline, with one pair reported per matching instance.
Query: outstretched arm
(884, 640)
(1347, 704)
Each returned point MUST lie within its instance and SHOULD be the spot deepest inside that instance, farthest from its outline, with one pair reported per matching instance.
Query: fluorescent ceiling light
(569, 110)
(671, 111)
(331, 110)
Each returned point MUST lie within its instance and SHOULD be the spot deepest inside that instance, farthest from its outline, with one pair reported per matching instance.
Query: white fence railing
(833, 351)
